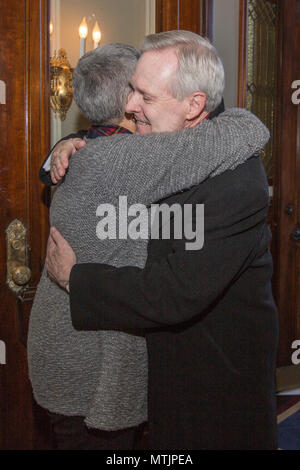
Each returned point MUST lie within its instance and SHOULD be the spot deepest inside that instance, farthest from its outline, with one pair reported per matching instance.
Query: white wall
(126, 21)
(129, 21)
(226, 40)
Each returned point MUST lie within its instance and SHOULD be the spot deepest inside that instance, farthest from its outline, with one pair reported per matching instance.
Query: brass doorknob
(21, 275)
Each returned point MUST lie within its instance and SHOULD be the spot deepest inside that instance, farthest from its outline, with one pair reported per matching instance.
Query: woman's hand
(61, 155)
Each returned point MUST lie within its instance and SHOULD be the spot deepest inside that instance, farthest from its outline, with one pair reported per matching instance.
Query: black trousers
(71, 433)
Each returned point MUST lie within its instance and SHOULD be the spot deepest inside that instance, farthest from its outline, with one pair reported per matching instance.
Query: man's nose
(132, 105)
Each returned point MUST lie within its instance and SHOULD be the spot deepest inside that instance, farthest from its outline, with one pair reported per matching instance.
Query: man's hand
(61, 155)
(60, 258)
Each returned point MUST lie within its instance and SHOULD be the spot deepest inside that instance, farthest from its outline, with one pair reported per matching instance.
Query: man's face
(153, 106)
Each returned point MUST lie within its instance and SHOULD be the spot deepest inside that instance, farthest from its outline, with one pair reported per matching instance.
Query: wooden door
(24, 129)
(287, 273)
(275, 66)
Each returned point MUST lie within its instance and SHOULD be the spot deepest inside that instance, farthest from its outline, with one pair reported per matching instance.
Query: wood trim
(24, 122)
(189, 18)
(207, 19)
(149, 17)
(297, 285)
(277, 160)
(38, 130)
(195, 15)
(242, 75)
(166, 14)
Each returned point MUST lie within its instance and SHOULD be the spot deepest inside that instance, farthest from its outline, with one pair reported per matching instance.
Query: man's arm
(175, 290)
(184, 284)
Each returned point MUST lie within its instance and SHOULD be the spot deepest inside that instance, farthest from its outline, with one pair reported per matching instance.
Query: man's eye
(146, 99)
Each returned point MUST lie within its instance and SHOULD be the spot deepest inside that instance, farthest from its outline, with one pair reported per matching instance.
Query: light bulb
(50, 28)
(83, 29)
(96, 33)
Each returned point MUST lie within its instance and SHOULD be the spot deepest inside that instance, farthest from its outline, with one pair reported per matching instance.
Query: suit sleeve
(44, 173)
(183, 285)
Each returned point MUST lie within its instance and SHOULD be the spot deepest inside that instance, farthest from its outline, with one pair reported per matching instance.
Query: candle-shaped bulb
(83, 29)
(96, 34)
(51, 28)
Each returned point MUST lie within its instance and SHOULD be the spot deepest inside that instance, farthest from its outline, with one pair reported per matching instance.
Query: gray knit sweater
(103, 375)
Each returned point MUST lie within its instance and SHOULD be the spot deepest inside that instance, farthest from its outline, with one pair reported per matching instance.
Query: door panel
(194, 15)
(24, 129)
(287, 275)
(276, 52)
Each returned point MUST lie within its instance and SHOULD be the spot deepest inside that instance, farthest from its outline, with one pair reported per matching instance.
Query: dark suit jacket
(209, 316)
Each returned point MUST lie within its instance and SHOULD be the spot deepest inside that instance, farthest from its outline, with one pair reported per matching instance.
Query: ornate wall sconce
(61, 92)
(61, 72)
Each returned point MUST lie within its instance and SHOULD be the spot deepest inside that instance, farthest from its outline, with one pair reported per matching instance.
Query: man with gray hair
(209, 314)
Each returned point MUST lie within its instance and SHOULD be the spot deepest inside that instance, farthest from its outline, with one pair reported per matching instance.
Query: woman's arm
(150, 167)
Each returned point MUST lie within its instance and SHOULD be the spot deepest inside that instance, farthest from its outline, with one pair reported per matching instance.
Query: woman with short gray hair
(100, 377)
(101, 82)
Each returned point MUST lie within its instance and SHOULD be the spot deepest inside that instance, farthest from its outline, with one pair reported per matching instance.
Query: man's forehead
(160, 58)
(159, 64)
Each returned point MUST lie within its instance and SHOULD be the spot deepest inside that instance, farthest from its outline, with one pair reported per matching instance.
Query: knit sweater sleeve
(150, 167)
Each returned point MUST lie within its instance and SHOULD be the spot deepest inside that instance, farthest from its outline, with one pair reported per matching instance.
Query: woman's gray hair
(199, 65)
(101, 82)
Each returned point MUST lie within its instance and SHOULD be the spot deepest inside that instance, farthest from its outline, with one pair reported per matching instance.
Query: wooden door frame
(242, 73)
(174, 14)
(286, 276)
(286, 169)
(25, 121)
(38, 129)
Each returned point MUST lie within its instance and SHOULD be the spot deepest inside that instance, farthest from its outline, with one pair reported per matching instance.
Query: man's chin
(143, 128)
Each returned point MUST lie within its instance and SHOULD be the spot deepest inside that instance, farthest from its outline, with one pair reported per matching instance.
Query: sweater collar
(102, 131)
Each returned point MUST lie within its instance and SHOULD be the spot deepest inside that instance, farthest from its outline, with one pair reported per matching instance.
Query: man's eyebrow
(139, 90)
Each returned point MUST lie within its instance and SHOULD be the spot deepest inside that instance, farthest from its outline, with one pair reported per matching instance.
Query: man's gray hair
(101, 82)
(199, 65)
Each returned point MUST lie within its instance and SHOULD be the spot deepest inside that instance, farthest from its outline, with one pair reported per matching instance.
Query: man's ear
(197, 103)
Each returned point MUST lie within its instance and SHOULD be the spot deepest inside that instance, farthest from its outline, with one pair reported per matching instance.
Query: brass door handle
(21, 275)
(18, 273)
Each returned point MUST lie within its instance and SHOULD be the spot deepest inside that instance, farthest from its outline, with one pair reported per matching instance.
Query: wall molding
(149, 17)
(55, 122)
